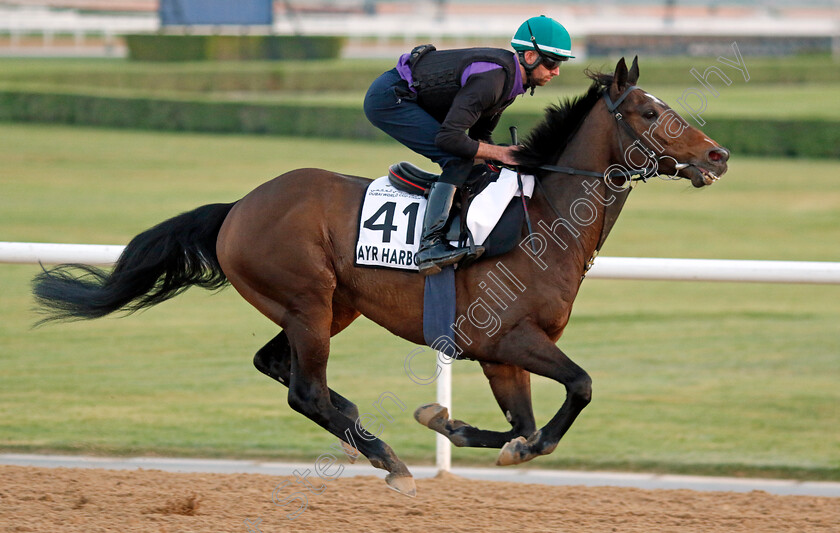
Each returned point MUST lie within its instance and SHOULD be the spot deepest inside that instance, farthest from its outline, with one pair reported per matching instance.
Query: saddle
(408, 178)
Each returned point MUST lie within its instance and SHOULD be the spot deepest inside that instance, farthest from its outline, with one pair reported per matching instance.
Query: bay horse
(288, 249)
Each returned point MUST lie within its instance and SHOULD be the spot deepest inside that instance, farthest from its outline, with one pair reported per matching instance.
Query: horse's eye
(650, 114)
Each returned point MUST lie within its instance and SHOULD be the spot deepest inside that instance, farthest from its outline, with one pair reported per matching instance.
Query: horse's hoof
(351, 452)
(404, 484)
(433, 416)
(513, 453)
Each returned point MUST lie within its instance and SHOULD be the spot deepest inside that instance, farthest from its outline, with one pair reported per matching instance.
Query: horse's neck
(594, 147)
(575, 197)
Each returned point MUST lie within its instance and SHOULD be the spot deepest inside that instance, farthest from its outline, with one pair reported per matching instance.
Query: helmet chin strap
(529, 68)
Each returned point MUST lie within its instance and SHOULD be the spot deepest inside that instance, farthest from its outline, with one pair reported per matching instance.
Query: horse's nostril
(718, 155)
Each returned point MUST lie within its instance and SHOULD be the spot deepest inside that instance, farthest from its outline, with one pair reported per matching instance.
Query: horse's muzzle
(709, 169)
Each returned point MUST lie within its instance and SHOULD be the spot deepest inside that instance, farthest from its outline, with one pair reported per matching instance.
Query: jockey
(445, 104)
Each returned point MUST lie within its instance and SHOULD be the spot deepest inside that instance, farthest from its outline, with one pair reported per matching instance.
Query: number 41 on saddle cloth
(391, 221)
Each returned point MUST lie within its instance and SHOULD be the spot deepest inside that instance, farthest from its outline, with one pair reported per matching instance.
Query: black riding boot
(435, 252)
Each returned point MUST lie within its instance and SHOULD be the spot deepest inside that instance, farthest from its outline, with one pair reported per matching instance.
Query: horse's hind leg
(297, 295)
(275, 360)
(511, 386)
(310, 396)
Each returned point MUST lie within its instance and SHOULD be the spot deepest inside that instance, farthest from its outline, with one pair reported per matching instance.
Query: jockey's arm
(481, 92)
(503, 154)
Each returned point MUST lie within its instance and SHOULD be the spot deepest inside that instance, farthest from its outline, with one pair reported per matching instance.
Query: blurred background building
(384, 27)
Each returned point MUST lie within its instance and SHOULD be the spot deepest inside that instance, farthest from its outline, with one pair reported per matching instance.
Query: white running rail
(635, 268)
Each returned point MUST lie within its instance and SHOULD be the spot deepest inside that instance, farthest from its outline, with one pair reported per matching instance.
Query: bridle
(629, 175)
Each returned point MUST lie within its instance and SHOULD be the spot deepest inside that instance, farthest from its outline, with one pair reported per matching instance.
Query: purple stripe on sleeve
(477, 68)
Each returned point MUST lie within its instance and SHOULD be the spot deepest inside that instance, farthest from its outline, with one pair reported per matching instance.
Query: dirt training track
(92, 500)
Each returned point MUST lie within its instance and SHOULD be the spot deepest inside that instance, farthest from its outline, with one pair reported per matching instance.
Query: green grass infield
(726, 378)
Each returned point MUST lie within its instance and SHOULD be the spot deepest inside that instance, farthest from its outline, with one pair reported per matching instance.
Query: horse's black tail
(158, 264)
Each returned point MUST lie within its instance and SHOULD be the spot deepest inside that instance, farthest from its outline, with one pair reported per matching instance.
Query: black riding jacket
(494, 81)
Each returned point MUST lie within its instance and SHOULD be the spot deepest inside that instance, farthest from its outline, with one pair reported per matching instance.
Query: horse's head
(657, 136)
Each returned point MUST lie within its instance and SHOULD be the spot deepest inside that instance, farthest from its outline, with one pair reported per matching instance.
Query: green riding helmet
(545, 35)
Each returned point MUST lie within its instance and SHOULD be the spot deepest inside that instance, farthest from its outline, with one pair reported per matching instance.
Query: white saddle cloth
(391, 221)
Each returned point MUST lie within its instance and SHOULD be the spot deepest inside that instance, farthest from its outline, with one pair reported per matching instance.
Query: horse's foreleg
(511, 387)
(310, 396)
(536, 353)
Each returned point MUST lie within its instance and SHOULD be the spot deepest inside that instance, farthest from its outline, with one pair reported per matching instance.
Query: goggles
(550, 63)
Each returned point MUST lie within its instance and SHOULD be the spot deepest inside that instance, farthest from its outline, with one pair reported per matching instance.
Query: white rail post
(443, 455)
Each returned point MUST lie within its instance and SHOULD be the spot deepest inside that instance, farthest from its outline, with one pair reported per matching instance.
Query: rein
(611, 210)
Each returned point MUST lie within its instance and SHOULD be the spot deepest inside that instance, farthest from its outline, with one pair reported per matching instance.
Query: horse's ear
(620, 77)
(633, 75)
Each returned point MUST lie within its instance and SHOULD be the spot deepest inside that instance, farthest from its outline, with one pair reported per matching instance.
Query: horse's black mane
(547, 141)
